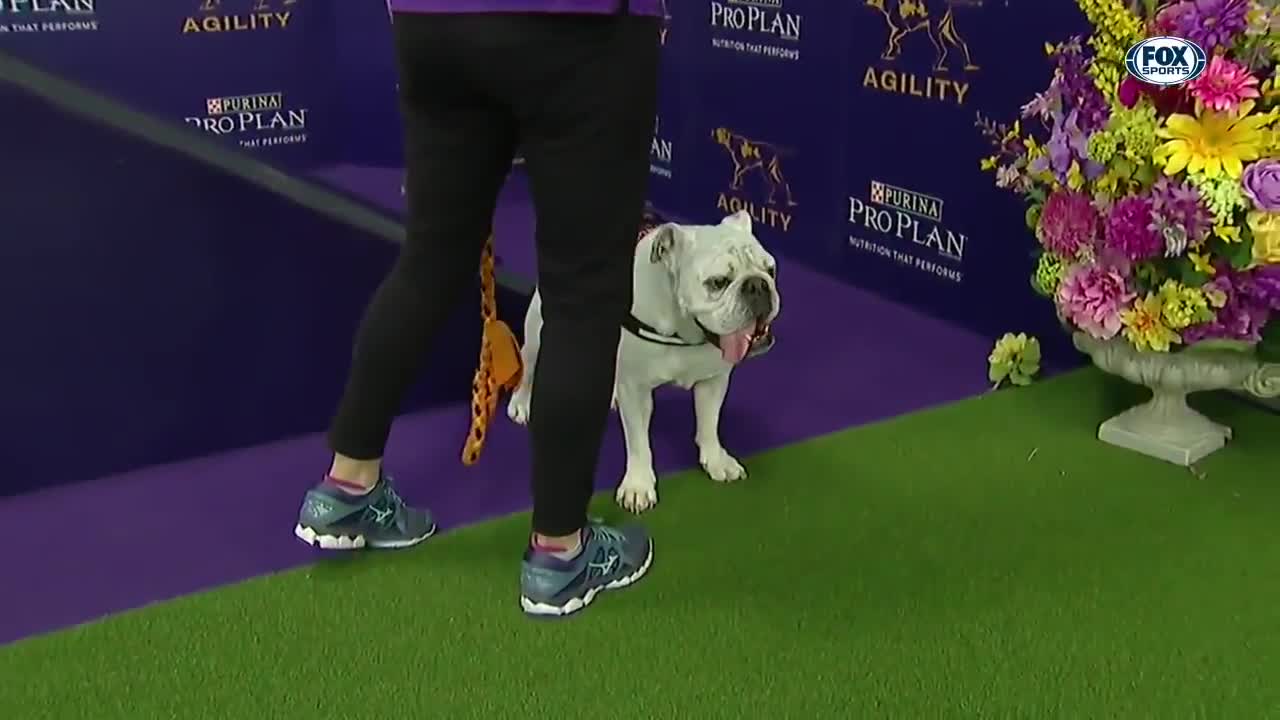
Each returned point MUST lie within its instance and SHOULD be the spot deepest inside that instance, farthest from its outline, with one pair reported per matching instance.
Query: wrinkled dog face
(722, 275)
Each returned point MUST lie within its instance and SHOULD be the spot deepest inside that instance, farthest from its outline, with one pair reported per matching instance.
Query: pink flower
(1223, 85)
(1128, 230)
(1167, 100)
(1130, 91)
(1091, 298)
(1068, 224)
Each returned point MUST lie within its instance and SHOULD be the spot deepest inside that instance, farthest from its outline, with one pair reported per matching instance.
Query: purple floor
(154, 534)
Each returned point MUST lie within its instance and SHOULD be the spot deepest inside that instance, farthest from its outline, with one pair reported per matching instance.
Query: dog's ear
(666, 243)
(740, 220)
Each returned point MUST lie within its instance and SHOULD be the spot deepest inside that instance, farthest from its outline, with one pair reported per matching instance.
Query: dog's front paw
(638, 491)
(518, 406)
(720, 465)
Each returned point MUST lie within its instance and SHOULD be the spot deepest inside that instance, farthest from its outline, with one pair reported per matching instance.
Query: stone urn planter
(1165, 427)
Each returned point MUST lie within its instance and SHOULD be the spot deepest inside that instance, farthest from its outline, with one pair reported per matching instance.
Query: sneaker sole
(353, 542)
(545, 610)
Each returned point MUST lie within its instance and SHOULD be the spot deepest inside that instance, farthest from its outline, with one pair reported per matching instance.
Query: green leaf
(1187, 272)
(1239, 254)
(1145, 175)
(1122, 168)
(1148, 276)
(1033, 215)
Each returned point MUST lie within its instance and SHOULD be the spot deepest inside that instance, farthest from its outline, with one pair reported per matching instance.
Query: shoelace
(392, 502)
(609, 535)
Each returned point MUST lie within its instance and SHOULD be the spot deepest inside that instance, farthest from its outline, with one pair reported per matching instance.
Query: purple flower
(1264, 286)
(1171, 17)
(1044, 105)
(1077, 91)
(1068, 224)
(1250, 298)
(1261, 182)
(1128, 230)
(1007, 176)
(1178, 216)
(1067, 143)
(1210, 23)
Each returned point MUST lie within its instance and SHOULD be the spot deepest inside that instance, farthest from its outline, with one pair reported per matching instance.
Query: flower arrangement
(1157, 209)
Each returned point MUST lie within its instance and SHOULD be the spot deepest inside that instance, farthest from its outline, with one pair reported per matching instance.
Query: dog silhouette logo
(211, 6)
(755, 158)
(907, 17)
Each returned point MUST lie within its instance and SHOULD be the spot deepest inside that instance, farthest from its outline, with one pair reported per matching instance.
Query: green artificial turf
(988, 559)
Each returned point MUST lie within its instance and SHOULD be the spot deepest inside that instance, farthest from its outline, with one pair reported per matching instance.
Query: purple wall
(156, 308)
(258, 73)
(365, 83)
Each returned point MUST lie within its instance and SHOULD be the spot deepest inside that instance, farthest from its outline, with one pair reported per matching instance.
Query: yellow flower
(1202, 263)
(1144, 325)
(1182, 306)
(1227, 233)
(1075, 179)
(1214, 143)
(1266, 237)
(1107, 183)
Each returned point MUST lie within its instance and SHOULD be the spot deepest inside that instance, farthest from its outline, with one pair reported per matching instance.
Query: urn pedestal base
(1165, 427)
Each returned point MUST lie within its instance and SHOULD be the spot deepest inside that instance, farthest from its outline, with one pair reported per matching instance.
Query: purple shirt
(638, 7)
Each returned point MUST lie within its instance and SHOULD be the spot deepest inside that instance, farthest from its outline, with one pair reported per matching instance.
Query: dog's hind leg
(518, 406)
(708, 400)
(613, 401)
(638, 490)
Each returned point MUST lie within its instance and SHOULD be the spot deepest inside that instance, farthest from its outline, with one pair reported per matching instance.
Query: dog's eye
(718, 283)
(772, 270)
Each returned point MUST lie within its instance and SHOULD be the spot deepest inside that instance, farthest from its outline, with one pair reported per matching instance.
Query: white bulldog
(705, 296)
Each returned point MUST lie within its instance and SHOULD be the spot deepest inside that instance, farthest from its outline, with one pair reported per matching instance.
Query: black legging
(577, 93)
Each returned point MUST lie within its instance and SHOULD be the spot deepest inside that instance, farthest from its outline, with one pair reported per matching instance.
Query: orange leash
(500, 365)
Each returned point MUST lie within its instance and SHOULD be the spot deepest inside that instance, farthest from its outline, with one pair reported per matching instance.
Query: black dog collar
(634, 325)
(645, 331)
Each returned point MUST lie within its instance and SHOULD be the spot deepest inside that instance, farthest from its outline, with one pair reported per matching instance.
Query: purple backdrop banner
(257, 73)
(846, 130)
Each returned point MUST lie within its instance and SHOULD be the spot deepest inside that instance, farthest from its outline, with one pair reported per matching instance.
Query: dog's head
(724, 279)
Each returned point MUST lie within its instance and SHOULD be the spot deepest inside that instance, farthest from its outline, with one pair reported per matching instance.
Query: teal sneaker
(331, 519)
(611, 558)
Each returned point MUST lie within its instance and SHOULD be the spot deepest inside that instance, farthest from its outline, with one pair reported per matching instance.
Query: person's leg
(458, 150)
(586, 127)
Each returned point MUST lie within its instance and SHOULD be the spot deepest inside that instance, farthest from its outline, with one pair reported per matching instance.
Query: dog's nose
(755, 286)
(756, 292)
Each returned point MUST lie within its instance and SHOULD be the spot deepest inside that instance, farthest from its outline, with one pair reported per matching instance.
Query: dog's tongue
(734, 346)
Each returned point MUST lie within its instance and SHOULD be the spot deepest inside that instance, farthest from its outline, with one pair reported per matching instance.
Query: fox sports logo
(1165, 61)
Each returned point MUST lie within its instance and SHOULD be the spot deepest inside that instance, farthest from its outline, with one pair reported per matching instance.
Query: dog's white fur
(679, 277)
